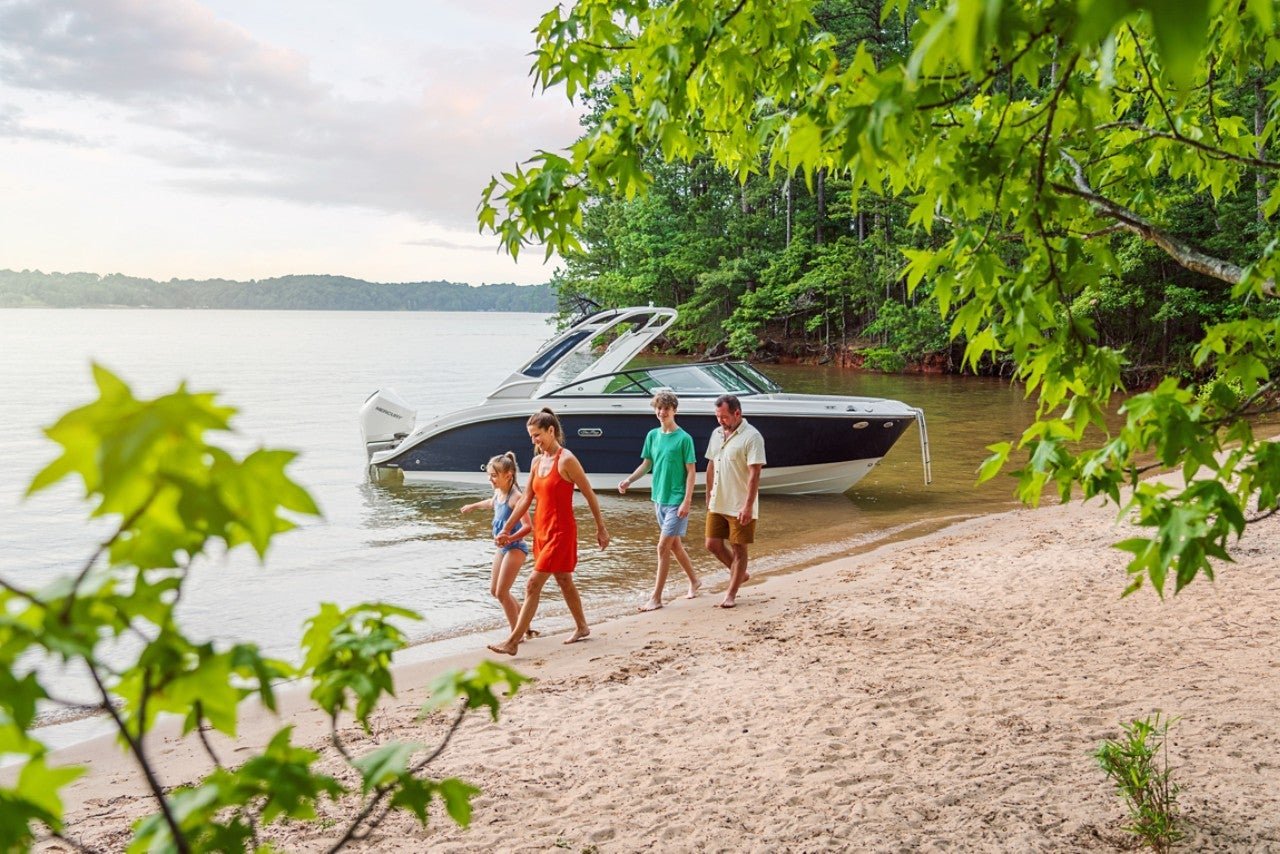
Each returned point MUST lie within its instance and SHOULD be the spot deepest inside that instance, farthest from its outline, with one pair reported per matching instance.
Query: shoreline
(65, 728)
(940, 690)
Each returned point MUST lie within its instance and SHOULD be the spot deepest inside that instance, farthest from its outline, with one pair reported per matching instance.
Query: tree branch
(1180, 251)
(1215, 153)
(139, 753)
(383, 790)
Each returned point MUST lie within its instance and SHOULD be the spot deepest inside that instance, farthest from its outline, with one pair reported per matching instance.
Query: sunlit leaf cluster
(147, 466)
(1033, 141)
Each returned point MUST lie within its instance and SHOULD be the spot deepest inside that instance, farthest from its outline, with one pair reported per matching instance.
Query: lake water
(299, 378)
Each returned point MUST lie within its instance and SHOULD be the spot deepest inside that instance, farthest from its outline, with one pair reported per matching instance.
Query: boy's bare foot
(694, 587)
(651, 605)
(503, 648)
(532, 633)
(578, 634)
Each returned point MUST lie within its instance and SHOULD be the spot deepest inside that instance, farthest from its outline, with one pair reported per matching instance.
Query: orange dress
(555, 531)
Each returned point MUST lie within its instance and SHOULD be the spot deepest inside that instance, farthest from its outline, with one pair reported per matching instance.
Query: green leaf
(387, 763)
(476, 686)
(457, 799)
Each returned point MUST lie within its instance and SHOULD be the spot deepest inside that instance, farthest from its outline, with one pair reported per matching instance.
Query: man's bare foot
(578, 634)
(694, 587)
(503, 648)
(727, 603)
(651, 605)
(532, 633)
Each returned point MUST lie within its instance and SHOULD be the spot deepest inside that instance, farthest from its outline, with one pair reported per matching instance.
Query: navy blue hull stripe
(612, 443)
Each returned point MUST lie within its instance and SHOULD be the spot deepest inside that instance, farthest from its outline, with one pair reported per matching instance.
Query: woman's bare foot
(651, 605)
(578, 634)
(727, 603)
(503, 648)
(694, 587)
(532, 633)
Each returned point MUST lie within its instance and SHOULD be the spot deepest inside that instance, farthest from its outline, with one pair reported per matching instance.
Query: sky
(246, 139)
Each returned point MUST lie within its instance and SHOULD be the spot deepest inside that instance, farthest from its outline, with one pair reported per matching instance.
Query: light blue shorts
(669, 521)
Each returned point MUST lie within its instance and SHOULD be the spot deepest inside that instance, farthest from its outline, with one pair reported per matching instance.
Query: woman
(552, 476)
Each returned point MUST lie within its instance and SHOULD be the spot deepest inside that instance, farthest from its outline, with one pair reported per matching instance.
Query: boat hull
(808, 453)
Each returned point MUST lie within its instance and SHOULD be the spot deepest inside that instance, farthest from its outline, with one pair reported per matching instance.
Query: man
(735, 456)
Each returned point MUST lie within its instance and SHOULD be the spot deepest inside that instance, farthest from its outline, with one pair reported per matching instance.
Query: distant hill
(33, 289)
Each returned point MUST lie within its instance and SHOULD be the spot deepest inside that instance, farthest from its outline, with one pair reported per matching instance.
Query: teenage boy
(668, 450)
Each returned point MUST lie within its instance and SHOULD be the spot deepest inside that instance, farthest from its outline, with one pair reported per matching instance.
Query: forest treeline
(34, 289)
(782, 257)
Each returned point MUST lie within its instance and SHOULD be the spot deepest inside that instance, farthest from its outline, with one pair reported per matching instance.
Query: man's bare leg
(532, 593)
(737, 575)
(720, 549)
(574, 601)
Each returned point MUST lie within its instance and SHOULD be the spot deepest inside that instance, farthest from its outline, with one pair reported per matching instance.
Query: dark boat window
(755, 377)
(543, 363)
(709, 380)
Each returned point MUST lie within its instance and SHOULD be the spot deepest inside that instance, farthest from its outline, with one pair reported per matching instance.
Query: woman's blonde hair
(505, 463)
(547, 420)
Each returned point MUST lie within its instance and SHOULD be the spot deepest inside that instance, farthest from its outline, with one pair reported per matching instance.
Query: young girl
(552, 477)
(511, 554)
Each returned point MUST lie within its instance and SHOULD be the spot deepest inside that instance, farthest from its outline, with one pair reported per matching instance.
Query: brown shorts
(722, 527)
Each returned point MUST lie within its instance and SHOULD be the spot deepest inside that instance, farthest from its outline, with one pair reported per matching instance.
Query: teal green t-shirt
(668, 453)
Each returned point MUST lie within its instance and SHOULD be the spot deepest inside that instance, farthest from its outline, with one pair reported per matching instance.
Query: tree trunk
(790, 207)
(822, 206)
(1259, 124)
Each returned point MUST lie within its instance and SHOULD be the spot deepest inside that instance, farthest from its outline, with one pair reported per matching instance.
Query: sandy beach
(943, 693)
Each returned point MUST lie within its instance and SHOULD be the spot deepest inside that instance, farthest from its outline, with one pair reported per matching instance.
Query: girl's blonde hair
(547, 420)
(504, 463)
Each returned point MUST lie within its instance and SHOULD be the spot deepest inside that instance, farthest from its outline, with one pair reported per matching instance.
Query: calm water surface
(298, 379)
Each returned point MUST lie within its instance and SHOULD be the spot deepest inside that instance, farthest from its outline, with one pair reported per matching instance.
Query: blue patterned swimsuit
(501, 514)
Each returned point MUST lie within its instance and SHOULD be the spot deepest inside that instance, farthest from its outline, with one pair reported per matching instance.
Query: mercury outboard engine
(385, 420)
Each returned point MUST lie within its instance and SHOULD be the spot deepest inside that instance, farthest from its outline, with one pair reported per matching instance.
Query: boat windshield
(705, 380)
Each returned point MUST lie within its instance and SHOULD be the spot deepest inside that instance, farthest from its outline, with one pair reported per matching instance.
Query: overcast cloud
(401, 113)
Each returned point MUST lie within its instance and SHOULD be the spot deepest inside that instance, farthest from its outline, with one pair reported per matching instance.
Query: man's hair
(665, 398)
(730, 401)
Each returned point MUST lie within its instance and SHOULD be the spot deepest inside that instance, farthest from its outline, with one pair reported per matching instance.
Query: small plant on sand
(146, 464)
(1138, 764)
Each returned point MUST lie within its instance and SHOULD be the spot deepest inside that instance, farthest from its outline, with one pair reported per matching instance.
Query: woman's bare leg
(532, 593)
(574, 601)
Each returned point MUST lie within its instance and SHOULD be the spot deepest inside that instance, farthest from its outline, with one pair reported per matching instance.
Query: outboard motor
(385, 419)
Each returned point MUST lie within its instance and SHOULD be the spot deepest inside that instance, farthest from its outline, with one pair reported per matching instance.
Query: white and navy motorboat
(814, 443)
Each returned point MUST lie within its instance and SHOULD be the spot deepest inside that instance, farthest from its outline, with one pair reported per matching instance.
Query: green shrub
(883, 359)
(1138, 764)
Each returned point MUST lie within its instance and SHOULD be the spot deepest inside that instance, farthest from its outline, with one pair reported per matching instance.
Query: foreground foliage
(147, 463)
(1029, 139)
(1138, 765)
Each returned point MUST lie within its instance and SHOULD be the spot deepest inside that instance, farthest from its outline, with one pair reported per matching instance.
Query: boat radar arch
(635, 329)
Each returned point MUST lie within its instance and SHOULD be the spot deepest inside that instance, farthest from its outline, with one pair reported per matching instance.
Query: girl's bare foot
(578, 634)
(727, 603)
(651, 605)
(532, 633)
(694, 587)
(503, 648)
